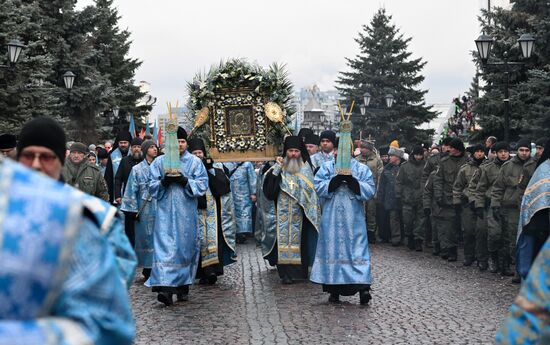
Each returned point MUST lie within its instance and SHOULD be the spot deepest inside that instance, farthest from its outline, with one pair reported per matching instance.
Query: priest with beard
(342, 262)
(292, 214)
(119, 151)
(175, 237)
(217, 229)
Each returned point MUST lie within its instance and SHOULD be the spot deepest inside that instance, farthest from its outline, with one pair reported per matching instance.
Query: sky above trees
(176, 39)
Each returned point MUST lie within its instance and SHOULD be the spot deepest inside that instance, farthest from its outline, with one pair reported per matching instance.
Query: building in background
(316, 109)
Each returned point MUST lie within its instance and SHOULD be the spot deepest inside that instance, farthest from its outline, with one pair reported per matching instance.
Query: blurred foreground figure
(529, 319)
(59, 279)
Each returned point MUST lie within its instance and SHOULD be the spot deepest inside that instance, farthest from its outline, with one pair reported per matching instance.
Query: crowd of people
(100, 211)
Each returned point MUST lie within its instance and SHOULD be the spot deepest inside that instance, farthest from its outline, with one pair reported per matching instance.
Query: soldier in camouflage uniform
(443, 183)
(432, 211)
(463, 202)
(482, 197)
(409, 189)
(531, 165)
(81, 175)
(371, 159)
(505, 204)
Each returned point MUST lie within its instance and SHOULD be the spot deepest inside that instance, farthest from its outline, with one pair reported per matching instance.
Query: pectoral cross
(292, 184)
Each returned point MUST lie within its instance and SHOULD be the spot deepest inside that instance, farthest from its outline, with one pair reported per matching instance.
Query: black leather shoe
(146, 273)
(468, 262)
(482, 265)
(418, 245)
(212, 279)
(334, 298)
(286, 281)
(166, 298)
(452, 255)
(364, 297)
(183, 297)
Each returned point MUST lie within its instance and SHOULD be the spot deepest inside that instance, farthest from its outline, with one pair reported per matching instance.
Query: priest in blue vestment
(141, 207)
(292, 215)
(243, 188)
(176, 240)
(59, 279)
(217, 229)
(342, 262)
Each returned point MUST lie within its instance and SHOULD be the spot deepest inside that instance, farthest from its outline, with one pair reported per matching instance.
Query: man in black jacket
(134, 158)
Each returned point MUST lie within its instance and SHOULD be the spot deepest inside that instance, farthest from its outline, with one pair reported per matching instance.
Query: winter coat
(505, 191)
(386, 193)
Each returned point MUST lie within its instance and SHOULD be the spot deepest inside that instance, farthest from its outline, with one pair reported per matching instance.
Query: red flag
(142, 134)
(159, 139)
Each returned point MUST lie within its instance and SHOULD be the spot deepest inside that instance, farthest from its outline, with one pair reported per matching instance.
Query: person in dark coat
(119, 151)
(387, 194)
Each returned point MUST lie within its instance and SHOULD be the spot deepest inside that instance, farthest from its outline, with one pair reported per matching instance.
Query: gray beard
(137, 156)
(293, 165)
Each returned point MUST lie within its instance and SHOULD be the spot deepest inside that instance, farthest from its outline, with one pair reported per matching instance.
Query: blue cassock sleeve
(92, 307)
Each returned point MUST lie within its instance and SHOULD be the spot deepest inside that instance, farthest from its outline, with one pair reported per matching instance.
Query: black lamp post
(484, 43)
(15, 47)
(68, 79)
(389, 99)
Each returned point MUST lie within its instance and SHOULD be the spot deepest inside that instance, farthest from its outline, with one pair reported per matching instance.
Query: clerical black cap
(195, 144)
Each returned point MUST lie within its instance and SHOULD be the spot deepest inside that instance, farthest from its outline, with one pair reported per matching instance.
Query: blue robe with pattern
(112, 228)
(243, 185)
(528, 321)
(342, 249)
(320, 158)
(176, 238)
(59, 280)
(138, 200)
(535, 199)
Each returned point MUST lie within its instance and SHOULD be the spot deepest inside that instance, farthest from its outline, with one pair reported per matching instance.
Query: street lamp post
(15, 47)
(389, 99)
(484, 43)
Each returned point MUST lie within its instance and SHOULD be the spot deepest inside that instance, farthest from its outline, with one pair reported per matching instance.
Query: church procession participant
(243, 188)
(140, 208)
(291, 218)
(217, 229)
(65, 268)
(44, 138)
(8, 143)
(176, 240)
(328, 144)
(77, 172)
(119, 151)
(342, 261)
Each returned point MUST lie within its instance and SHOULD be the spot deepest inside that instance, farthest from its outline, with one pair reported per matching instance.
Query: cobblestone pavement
(417, 299)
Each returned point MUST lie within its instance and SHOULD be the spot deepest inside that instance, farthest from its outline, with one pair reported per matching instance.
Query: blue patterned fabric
(536, 198)
(116, 158)
(243, 185)
(176, 239)
(342, 249)
(320, 158)
(112, 227)
(138, 200)
(296, 199)
(59, 282)
(528, 321)
(208, 230)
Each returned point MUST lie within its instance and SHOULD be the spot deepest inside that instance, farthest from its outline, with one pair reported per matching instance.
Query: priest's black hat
(304, 132)
(136, 141)
(312, 139)
(8, 141)
(43, 131)
(195, 144)
(182, 134)
(330, 135)
(123, 136)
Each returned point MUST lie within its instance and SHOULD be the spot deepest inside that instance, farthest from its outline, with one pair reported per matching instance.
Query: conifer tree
(384, 66)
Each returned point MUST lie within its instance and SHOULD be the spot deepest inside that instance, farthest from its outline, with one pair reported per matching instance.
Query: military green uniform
(528, 171)
(430, 166)
(463, 200)
(87, 178)
(482, 198)
(408, 188)
(443, 183)
(433, 210)
(376, 166)
(506, 198)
